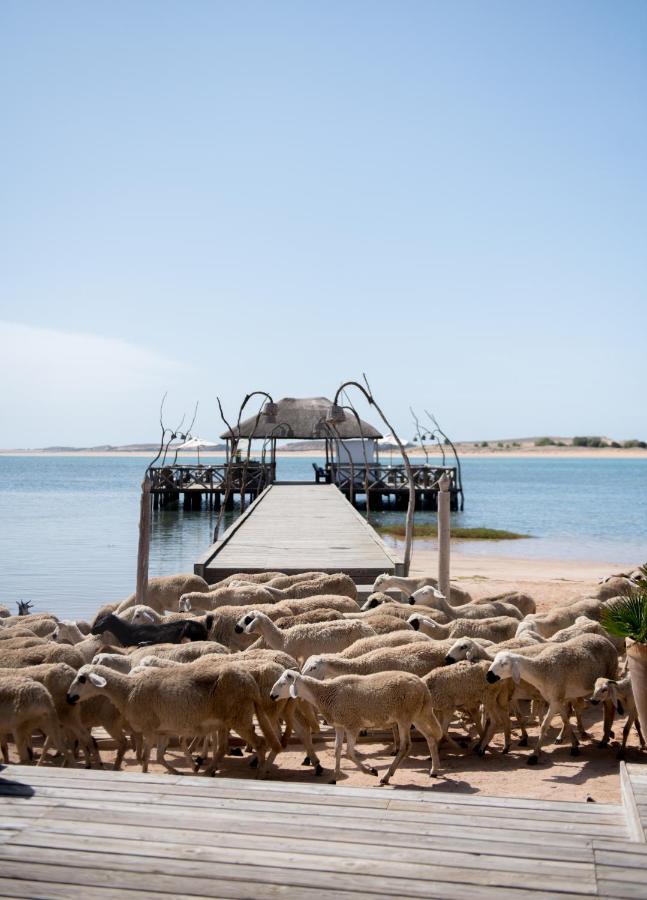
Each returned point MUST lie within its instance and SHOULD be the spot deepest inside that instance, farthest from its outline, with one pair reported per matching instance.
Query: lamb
(34, 656)
(57, 678)
(618, 697)
(407, 586)
(173, 632)
(181, 701)
(26, 705)
(546, 624)
(301, 641)
(562, 673)
(164, 591)
(428, 596)
(355, 702)
(419, 658)
(498, 628)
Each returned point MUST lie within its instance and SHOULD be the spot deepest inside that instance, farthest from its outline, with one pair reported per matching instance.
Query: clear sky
(209, 197)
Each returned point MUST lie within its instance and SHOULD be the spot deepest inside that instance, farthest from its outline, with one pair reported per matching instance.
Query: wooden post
(144, 540)
(444, 497)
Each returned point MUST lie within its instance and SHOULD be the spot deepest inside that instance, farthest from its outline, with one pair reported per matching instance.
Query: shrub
(634, 443)
(544, 442)
(588, 442)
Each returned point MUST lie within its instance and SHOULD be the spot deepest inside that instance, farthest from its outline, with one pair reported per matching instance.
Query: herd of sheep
(266, 656)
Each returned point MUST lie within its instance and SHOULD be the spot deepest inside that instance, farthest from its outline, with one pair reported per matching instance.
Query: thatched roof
(304, 419)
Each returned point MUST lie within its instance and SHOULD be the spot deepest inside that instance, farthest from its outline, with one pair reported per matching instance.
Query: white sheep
(560, 617)
(374, 701)
(26, 705)
(497, 628)
(392, 639)
(416, 658)
(412, 583)
(164, 591)
(302, 641)
(618, 697)
(562, 673)
(430, 597)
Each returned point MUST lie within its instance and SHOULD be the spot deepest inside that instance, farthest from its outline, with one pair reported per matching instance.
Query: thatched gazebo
(308, 419)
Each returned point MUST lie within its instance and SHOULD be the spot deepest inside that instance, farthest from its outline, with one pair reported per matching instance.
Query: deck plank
(296, 528)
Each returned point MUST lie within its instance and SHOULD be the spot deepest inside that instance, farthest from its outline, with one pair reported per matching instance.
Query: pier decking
(98, 835)
(295, 527)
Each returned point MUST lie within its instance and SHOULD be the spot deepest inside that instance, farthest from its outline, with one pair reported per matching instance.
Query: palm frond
(627, 617)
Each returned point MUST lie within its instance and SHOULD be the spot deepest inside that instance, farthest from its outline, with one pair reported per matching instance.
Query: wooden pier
(99, 835)
(297, 527)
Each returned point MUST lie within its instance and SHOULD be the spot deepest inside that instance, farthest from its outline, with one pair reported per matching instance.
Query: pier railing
(251, 477)
(384, 477)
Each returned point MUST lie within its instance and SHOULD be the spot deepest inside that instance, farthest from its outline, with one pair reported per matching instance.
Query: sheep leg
(247, 733)
(305, 736)
(430, 729)
(5, 752)
(639, 732)
(22, 738)
(553, 710)
(147, 740)
(339, 745)
(577, 707)
(352, 754)
(609, 714)
(404, 735)
(162, 747)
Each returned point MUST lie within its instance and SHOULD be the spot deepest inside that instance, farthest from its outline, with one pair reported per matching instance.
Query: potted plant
(627, 618)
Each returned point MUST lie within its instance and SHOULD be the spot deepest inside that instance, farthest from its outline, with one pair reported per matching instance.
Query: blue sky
(207, 197)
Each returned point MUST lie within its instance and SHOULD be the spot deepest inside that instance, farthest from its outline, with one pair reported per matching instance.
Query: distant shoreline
(385, 455)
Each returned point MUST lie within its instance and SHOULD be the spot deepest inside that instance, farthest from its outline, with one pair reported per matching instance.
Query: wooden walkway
(99, 834)
(295, 527)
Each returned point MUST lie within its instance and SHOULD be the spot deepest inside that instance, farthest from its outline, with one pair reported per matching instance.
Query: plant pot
(637, 658)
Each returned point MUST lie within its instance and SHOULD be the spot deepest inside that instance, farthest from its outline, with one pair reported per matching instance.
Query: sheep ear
(208, 623)
(293, 691)
(97, 680)
(146, 615)
(516, 674)
(469, 656)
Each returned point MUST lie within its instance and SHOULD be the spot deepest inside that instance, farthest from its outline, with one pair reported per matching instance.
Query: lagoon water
(68, 533)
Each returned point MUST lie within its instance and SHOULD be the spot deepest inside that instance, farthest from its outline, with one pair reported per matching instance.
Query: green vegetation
(588, 442)
(627, 617)
(429, 531)
(544, 442)
(628, 445)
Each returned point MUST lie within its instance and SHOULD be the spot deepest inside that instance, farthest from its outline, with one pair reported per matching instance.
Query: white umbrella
(195, 443)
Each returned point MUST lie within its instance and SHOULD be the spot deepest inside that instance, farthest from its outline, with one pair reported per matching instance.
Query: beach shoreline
(517, 453)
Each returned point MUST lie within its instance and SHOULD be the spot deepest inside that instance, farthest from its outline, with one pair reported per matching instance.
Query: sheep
(164, 591)
(26, 705)
(34, 656)
(524, 602)
(173, 632)
(241, 594)
(181, 701)
(57, 678)
(561, 673)
(4, 612)
(546, 624)
(382, 603)
(393, 639)
(355, 702)
(273, 579)
(88, 646)
(618, 697)
(18, 643)
(467, 648)
(16, 631)
(41, 624)
(301, 641)
(116, 661)
(382, 623)
(140, 614)
(498, 628)
(615, 586)
(419, 658)
(312, 615)
(408, 585)
(183, 653)
(582, 625)
(429, 596)
(249, 577)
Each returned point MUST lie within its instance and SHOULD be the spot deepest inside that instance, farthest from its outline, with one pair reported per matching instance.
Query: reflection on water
(68, 538)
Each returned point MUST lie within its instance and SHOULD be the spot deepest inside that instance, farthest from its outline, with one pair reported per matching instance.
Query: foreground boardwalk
(296, 528)
(72, 833)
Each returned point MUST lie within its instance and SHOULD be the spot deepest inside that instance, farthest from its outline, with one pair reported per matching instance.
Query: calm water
(68, 538)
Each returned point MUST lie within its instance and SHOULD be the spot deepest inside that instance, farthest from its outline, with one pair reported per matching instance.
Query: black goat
(164, 633)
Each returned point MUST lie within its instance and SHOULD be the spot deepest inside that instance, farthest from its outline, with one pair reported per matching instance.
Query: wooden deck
(99, 834)
(300, 527)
